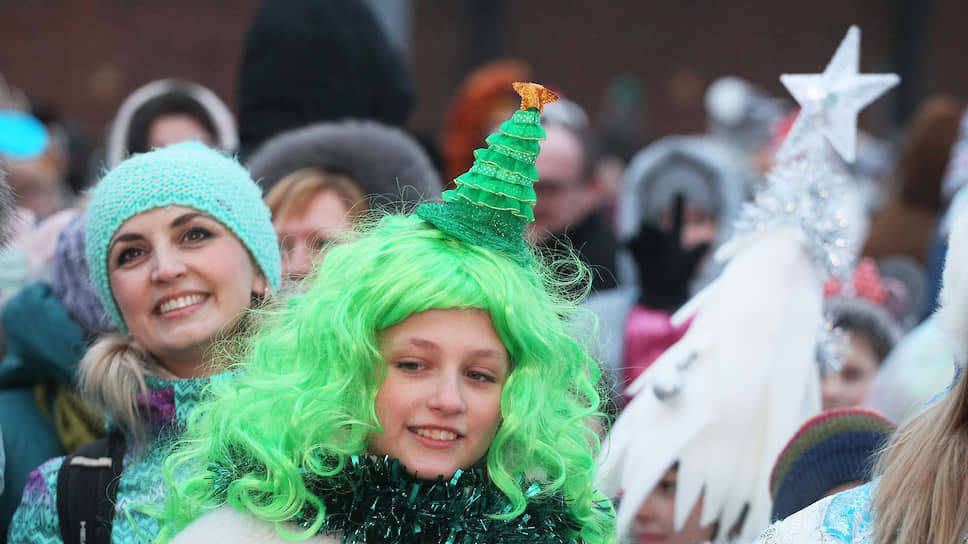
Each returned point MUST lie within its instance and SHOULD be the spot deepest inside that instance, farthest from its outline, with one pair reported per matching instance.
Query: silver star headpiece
(807, 186)
(831, 101)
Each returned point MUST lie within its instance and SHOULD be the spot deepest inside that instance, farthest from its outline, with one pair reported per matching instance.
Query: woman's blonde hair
(293, 194)
(112, 377)
(922, 495)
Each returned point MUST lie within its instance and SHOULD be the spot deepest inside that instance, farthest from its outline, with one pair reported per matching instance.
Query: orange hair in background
(483, 100)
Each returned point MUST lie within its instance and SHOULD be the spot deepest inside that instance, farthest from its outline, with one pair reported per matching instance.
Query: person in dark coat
(306, 61)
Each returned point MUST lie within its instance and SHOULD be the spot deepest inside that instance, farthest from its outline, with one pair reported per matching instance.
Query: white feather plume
(753, 380)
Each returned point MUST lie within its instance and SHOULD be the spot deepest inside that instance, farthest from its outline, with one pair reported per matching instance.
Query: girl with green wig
(424, 388)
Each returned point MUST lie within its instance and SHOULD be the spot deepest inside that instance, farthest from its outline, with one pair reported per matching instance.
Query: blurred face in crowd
(302, 235)
(440, 403)
(177, 127)
(848, 386)
(698, 226)
(564, 197)
(654, 522)
(37, 184)
(180, 279)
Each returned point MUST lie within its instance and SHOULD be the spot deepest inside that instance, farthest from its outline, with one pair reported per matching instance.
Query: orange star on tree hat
(493, 201)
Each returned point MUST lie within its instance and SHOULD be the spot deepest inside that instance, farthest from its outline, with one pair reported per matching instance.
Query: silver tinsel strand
(833, 343)
(807, 193)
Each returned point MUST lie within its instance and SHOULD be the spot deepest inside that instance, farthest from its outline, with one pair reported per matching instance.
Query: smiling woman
(179, 244)
(179, 277)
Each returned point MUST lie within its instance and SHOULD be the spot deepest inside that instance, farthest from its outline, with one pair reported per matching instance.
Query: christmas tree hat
(493, 200)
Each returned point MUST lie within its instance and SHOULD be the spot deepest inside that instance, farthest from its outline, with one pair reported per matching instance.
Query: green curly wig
(310, 377)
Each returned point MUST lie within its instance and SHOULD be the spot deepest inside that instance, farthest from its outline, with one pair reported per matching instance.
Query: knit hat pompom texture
(185, 174)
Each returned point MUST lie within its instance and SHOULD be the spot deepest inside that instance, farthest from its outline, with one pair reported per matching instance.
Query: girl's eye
(197, 234)
(667, 486)
(409, 365)
(128, 254)
(481, 376)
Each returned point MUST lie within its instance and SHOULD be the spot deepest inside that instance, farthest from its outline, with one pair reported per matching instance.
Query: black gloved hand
(665, 268)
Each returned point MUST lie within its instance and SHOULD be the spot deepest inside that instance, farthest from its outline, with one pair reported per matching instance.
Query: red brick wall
(85, 56)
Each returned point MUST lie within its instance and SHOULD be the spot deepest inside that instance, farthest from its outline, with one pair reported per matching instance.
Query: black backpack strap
(87, 489)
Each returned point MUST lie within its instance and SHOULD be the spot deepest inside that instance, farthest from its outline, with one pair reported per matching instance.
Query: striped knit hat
(829, 450)
(186, 174)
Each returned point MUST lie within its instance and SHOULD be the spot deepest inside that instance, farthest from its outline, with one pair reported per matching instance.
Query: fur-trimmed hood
(387, 163)
(647, 164)
(226, 132)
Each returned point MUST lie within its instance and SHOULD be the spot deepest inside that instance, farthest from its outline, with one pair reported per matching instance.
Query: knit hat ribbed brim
(186, 174)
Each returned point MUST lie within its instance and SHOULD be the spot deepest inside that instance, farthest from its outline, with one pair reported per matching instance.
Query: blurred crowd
(321, 127)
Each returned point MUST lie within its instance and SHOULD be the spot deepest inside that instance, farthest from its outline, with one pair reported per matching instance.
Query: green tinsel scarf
(375, 500)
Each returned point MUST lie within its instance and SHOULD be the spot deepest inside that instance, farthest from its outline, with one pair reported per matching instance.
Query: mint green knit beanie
(186, 174)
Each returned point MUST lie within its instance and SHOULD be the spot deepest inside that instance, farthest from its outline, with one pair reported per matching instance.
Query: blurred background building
(82, 57)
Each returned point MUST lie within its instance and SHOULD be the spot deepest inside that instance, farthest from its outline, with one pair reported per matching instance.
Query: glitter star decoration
(533, 95)
(831, 101)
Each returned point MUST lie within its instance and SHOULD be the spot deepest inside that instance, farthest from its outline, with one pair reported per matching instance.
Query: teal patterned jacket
(169, 403)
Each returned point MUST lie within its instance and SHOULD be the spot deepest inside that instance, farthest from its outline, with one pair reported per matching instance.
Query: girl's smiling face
(440, 404)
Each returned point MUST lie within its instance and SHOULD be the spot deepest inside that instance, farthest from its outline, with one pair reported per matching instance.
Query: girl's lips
(435, 437)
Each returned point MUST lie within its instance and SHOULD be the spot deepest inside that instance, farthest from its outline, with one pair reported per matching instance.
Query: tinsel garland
(374, 500)
(807, 194)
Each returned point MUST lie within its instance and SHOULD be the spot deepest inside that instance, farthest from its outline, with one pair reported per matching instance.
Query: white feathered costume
(732, 416)
(725, 399)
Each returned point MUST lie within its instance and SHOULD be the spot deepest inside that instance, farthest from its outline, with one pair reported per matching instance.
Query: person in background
(858, 309)
(390, 168)
(310, 208)
(306, 61)
(318, 179)
(831, 452)
(49, 325)
(169, 111)
(906, 222)
(483, 100)
(680, 197)
(179, 244)
(568, 211)
(23, 136)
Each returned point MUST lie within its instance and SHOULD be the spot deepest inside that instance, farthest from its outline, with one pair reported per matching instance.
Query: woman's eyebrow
(126, 237)
(186, 217)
